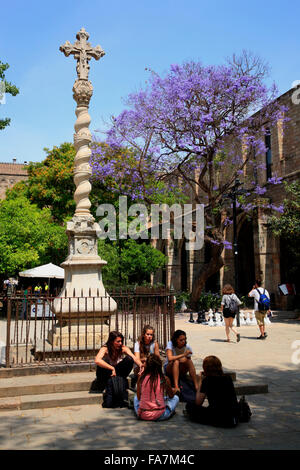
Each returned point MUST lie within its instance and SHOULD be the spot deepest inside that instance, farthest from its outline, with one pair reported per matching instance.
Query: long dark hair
(176, 335)
(141, 340)
(153, 368)
(112, 352)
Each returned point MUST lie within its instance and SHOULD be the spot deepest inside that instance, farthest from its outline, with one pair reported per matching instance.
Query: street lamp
(235, 191)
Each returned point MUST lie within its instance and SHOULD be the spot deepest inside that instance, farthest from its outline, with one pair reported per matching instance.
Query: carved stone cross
(83, 52)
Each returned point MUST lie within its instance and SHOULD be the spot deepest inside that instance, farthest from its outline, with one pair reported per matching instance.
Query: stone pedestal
(83, 307)
(79, 337)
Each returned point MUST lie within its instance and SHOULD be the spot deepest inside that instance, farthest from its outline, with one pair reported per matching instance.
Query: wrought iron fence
(40, 329)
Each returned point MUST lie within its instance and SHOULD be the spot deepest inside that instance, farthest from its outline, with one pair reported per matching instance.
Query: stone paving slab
(275, 423)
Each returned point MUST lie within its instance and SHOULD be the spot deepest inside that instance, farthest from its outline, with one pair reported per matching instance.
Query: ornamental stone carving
(83, 52)
(82, 92)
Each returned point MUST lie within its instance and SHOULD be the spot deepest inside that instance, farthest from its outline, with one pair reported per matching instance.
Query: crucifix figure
(83, 52)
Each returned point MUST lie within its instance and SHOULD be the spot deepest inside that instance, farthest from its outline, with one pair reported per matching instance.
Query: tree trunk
(215, 264)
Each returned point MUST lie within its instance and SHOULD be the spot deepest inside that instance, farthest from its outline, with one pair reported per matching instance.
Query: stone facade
(10, 174)
(264, 248)
(259, 250)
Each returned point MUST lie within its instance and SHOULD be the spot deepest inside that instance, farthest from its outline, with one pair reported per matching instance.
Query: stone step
(65, 398)
(52, 383)
(46, 369)
(51, 400)
(46, 384)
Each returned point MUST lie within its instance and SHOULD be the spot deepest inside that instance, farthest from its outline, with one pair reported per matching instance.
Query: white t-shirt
(226, 297)
(256, 296)
(151, 347)
(170, 346)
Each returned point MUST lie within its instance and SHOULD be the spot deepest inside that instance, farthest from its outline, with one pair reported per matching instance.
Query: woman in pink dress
(155, 399)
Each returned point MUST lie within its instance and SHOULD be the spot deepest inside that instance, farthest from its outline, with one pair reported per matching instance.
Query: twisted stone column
(83, 294)
(83, 91)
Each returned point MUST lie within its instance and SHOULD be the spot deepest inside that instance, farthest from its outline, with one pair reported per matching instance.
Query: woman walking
(229, 307)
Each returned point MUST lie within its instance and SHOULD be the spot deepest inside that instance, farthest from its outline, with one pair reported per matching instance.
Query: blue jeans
(171, 404)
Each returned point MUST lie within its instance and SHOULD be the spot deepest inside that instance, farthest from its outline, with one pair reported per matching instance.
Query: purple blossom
(275, 180)
(183, 120)
(259, 190)
(227, 245)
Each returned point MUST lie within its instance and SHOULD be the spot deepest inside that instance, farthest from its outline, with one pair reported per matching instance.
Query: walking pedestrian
(229, 308)
(261, 306)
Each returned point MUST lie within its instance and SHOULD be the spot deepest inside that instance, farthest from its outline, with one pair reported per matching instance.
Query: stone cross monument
(83, 294)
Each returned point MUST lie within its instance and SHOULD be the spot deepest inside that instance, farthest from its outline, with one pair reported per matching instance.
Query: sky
(135, 35)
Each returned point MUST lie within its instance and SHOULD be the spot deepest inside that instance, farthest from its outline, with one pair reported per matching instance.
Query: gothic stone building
(10, 173)
(260, 253)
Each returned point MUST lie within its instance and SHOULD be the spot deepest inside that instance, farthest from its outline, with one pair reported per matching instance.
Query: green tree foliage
(129, 262)
(50, 184)
(49, 192)
(287, 227)
(9, 88)
(28, 237)
(288, 224)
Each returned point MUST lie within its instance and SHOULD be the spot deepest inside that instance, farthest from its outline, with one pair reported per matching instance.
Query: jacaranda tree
(197, 125)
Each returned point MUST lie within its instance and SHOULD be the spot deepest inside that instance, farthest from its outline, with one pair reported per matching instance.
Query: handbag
(244, 411)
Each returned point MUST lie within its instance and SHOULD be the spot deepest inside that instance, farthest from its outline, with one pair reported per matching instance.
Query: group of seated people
(158, 385)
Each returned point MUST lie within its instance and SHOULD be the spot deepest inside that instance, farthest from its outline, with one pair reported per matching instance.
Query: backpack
(187, 390)
(244, 412)
(231, 305)
(116, 394)
(264, 301)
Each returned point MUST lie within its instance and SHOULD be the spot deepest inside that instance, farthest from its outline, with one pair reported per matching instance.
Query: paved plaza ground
(275, 423)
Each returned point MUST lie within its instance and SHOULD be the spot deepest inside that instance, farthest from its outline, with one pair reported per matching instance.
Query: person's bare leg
(175, 376)
(231, 326)
(192, 372)
(227, 328)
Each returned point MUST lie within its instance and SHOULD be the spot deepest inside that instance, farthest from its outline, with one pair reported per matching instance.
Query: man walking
(261, 306)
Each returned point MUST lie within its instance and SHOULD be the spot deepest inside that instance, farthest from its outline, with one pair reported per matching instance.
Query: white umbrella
(46, 270)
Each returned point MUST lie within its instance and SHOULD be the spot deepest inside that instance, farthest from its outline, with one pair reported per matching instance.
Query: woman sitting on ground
(114, 359)
(229, 299)
(155, 399)
(145, 345)
(219, 390)
(179, 361)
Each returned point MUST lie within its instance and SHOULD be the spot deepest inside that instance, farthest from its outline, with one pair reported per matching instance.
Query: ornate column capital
(82, 92)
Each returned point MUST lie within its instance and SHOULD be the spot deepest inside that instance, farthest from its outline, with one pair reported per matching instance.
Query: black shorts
(228, 314)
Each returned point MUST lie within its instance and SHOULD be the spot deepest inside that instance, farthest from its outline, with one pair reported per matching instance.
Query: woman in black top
(219, 391)
(114, 358)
